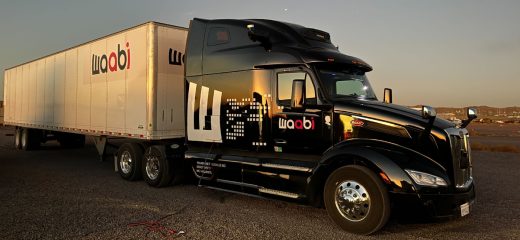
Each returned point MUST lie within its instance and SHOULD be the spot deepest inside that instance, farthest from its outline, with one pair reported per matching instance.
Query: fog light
(426, 179)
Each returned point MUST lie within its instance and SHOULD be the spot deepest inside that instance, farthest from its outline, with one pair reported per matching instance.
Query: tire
(157, 170)
(365, 201)
(18, 138)
(26, 140)
(129, 161)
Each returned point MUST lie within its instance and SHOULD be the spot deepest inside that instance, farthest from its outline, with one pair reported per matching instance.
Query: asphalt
(56, 193)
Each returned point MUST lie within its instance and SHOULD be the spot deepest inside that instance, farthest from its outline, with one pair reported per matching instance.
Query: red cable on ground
(156, 226)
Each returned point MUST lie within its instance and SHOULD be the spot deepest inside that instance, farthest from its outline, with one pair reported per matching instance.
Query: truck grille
(461, 155)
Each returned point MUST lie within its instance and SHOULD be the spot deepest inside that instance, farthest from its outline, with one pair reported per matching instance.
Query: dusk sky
(439, 53)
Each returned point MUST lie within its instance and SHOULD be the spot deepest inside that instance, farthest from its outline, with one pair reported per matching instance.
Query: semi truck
(256, 107)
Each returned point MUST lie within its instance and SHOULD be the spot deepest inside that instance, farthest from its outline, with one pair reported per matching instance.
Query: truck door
(303, 130)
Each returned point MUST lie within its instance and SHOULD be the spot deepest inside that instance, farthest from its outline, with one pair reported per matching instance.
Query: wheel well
(315, 190)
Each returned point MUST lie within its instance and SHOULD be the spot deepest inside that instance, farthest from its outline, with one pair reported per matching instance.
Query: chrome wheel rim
(352, 200)
(152, 167)
(126, 162)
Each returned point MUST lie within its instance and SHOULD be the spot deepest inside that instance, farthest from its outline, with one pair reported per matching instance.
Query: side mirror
(298, 93)
(428, 112)
(472, 114)
(387, 96)
(261, 36)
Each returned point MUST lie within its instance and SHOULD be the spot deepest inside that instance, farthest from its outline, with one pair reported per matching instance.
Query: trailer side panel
(104, 87)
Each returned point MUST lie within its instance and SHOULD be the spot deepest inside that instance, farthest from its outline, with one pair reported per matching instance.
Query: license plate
(464, 209)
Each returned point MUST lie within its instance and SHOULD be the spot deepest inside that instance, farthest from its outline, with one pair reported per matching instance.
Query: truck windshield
(341, 83)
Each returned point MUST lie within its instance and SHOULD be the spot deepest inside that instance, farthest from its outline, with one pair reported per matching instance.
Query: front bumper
(438, 205)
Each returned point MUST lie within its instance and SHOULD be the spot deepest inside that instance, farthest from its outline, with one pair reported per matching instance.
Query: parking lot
(55, 193)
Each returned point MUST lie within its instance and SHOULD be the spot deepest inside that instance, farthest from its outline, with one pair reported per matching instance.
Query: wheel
(157, 169)
(25, 141)
(18, 138)
(129, 158)
(356, 200)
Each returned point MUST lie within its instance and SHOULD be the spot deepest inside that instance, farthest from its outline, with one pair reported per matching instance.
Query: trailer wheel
(129, 158)
(157, 169)
(18, 138)
(26, 139)
(356, 200)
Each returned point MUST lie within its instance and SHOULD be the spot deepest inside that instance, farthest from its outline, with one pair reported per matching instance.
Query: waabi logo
(175, 58)
(300, 124)
(115, 60)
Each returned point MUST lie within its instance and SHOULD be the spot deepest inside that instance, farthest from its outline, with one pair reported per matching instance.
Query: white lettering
(202, 135)
(296, 124)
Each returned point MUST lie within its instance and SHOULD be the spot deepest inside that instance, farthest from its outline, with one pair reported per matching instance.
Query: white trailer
(127, 84)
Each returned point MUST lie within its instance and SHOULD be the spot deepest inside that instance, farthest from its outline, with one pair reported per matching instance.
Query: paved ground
(67, 194)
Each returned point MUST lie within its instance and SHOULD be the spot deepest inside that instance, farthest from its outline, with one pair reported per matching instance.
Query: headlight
(426, 179)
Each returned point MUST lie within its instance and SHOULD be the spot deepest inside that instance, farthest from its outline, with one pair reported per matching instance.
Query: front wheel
(356, 200)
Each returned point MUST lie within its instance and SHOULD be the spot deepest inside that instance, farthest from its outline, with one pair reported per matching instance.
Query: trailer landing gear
(101, 146)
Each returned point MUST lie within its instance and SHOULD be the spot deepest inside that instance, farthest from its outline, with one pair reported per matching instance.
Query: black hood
(389, 112)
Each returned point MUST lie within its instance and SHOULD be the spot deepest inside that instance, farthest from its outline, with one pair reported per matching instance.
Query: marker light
(426, 179)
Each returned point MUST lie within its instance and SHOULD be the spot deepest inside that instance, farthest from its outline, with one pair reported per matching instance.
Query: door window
(285, 81)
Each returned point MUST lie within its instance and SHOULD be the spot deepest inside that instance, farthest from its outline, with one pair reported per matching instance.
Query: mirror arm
(465, 123)
(472, 114)
(429, 113)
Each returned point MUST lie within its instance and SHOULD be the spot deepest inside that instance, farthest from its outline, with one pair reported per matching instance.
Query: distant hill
(484, 112)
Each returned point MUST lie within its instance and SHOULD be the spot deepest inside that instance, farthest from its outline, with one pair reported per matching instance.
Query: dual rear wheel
(27, 139)
(135, 162)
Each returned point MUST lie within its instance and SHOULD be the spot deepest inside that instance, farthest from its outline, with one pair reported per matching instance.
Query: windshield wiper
(356, 96)
(348, 95)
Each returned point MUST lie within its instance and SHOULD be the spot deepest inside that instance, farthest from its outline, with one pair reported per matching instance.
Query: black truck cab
(274, 109)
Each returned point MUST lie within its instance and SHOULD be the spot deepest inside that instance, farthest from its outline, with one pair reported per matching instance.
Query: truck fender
(386, 159)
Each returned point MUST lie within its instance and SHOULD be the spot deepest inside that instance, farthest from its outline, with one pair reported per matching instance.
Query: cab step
(279, 193)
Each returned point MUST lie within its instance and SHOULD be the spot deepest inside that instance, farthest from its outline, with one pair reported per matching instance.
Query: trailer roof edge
(96, 39)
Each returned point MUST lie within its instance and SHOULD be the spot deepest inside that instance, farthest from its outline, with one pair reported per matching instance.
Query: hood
(393, 113)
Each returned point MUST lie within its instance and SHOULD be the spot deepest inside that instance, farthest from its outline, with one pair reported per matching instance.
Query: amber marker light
(385, 178)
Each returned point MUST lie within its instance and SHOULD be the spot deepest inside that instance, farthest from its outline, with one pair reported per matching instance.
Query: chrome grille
(461, 157)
